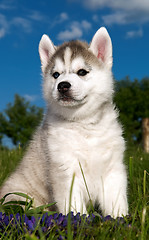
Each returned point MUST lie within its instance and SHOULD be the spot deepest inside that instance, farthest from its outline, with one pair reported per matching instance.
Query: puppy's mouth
(66, 98)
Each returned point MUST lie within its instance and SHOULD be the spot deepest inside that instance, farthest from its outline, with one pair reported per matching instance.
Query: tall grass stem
(90, 200)
(144, 183)
(130, 168)
(69, 231)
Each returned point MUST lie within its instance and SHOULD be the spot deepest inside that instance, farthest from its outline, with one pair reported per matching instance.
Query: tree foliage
(132, 100)
(19, 120)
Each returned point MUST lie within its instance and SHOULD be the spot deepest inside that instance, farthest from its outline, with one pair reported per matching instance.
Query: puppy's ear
(101, 47)
(46, 50)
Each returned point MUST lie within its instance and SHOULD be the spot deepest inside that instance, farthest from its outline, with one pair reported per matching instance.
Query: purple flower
(1, 216)
(30, 225)
(57, 223)
(60, 219)
(107, 218)
(64, 223)
(48, 221)
(33, 219)
(44, 217)
(6, 220)
(60, 238)
(55, 216)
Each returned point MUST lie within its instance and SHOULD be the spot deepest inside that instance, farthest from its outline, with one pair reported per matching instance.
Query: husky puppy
(80, 127)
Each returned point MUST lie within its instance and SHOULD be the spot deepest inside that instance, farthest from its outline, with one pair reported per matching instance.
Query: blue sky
(22, 23)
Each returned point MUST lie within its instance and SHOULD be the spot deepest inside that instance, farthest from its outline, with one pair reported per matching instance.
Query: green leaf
(39, 209)
(15, 203)
(18, 194)
(30, 237)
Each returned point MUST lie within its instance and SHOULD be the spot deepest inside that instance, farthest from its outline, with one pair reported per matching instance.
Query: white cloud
(134, 34)
(2, 32)
(125, 17)
(115, 18)
(118, 4)
(86, 25)
(72, 33)
(75, 31)
(36, 15)
(7, 4)
(63, 17)
(4, 6)
(122, 11)
(95, 18)
(60, 19)
(4, 26)
(22, 22)
(17, 22)
(7, 25)
(31, 98)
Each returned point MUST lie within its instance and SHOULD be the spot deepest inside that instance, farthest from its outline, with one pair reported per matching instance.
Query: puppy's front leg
(78, 203)
(72, 200)
(114, 197)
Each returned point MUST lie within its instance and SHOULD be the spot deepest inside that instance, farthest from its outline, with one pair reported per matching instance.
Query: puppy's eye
(56, 75)
(82, 72)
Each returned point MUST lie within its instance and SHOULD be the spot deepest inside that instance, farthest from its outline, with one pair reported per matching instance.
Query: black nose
(63, 87)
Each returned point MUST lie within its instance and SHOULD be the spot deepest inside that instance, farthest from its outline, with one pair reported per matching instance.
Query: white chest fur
(73, 143)
(99, 149)
(90, 144)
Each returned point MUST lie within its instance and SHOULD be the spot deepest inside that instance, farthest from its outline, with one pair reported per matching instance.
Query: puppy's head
(77, 76)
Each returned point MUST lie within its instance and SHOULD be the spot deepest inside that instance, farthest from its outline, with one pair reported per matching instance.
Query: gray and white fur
(80, 126)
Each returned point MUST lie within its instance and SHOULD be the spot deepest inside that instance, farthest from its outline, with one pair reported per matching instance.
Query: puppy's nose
(63, 87)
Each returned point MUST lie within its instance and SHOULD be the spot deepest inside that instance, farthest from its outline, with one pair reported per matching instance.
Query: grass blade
(91, 207)
(131, 168)
(40, 209)
(144, 183)
(69, 231)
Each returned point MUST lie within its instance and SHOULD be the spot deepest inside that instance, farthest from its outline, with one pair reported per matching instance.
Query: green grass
(8, 162)
(136, 226)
